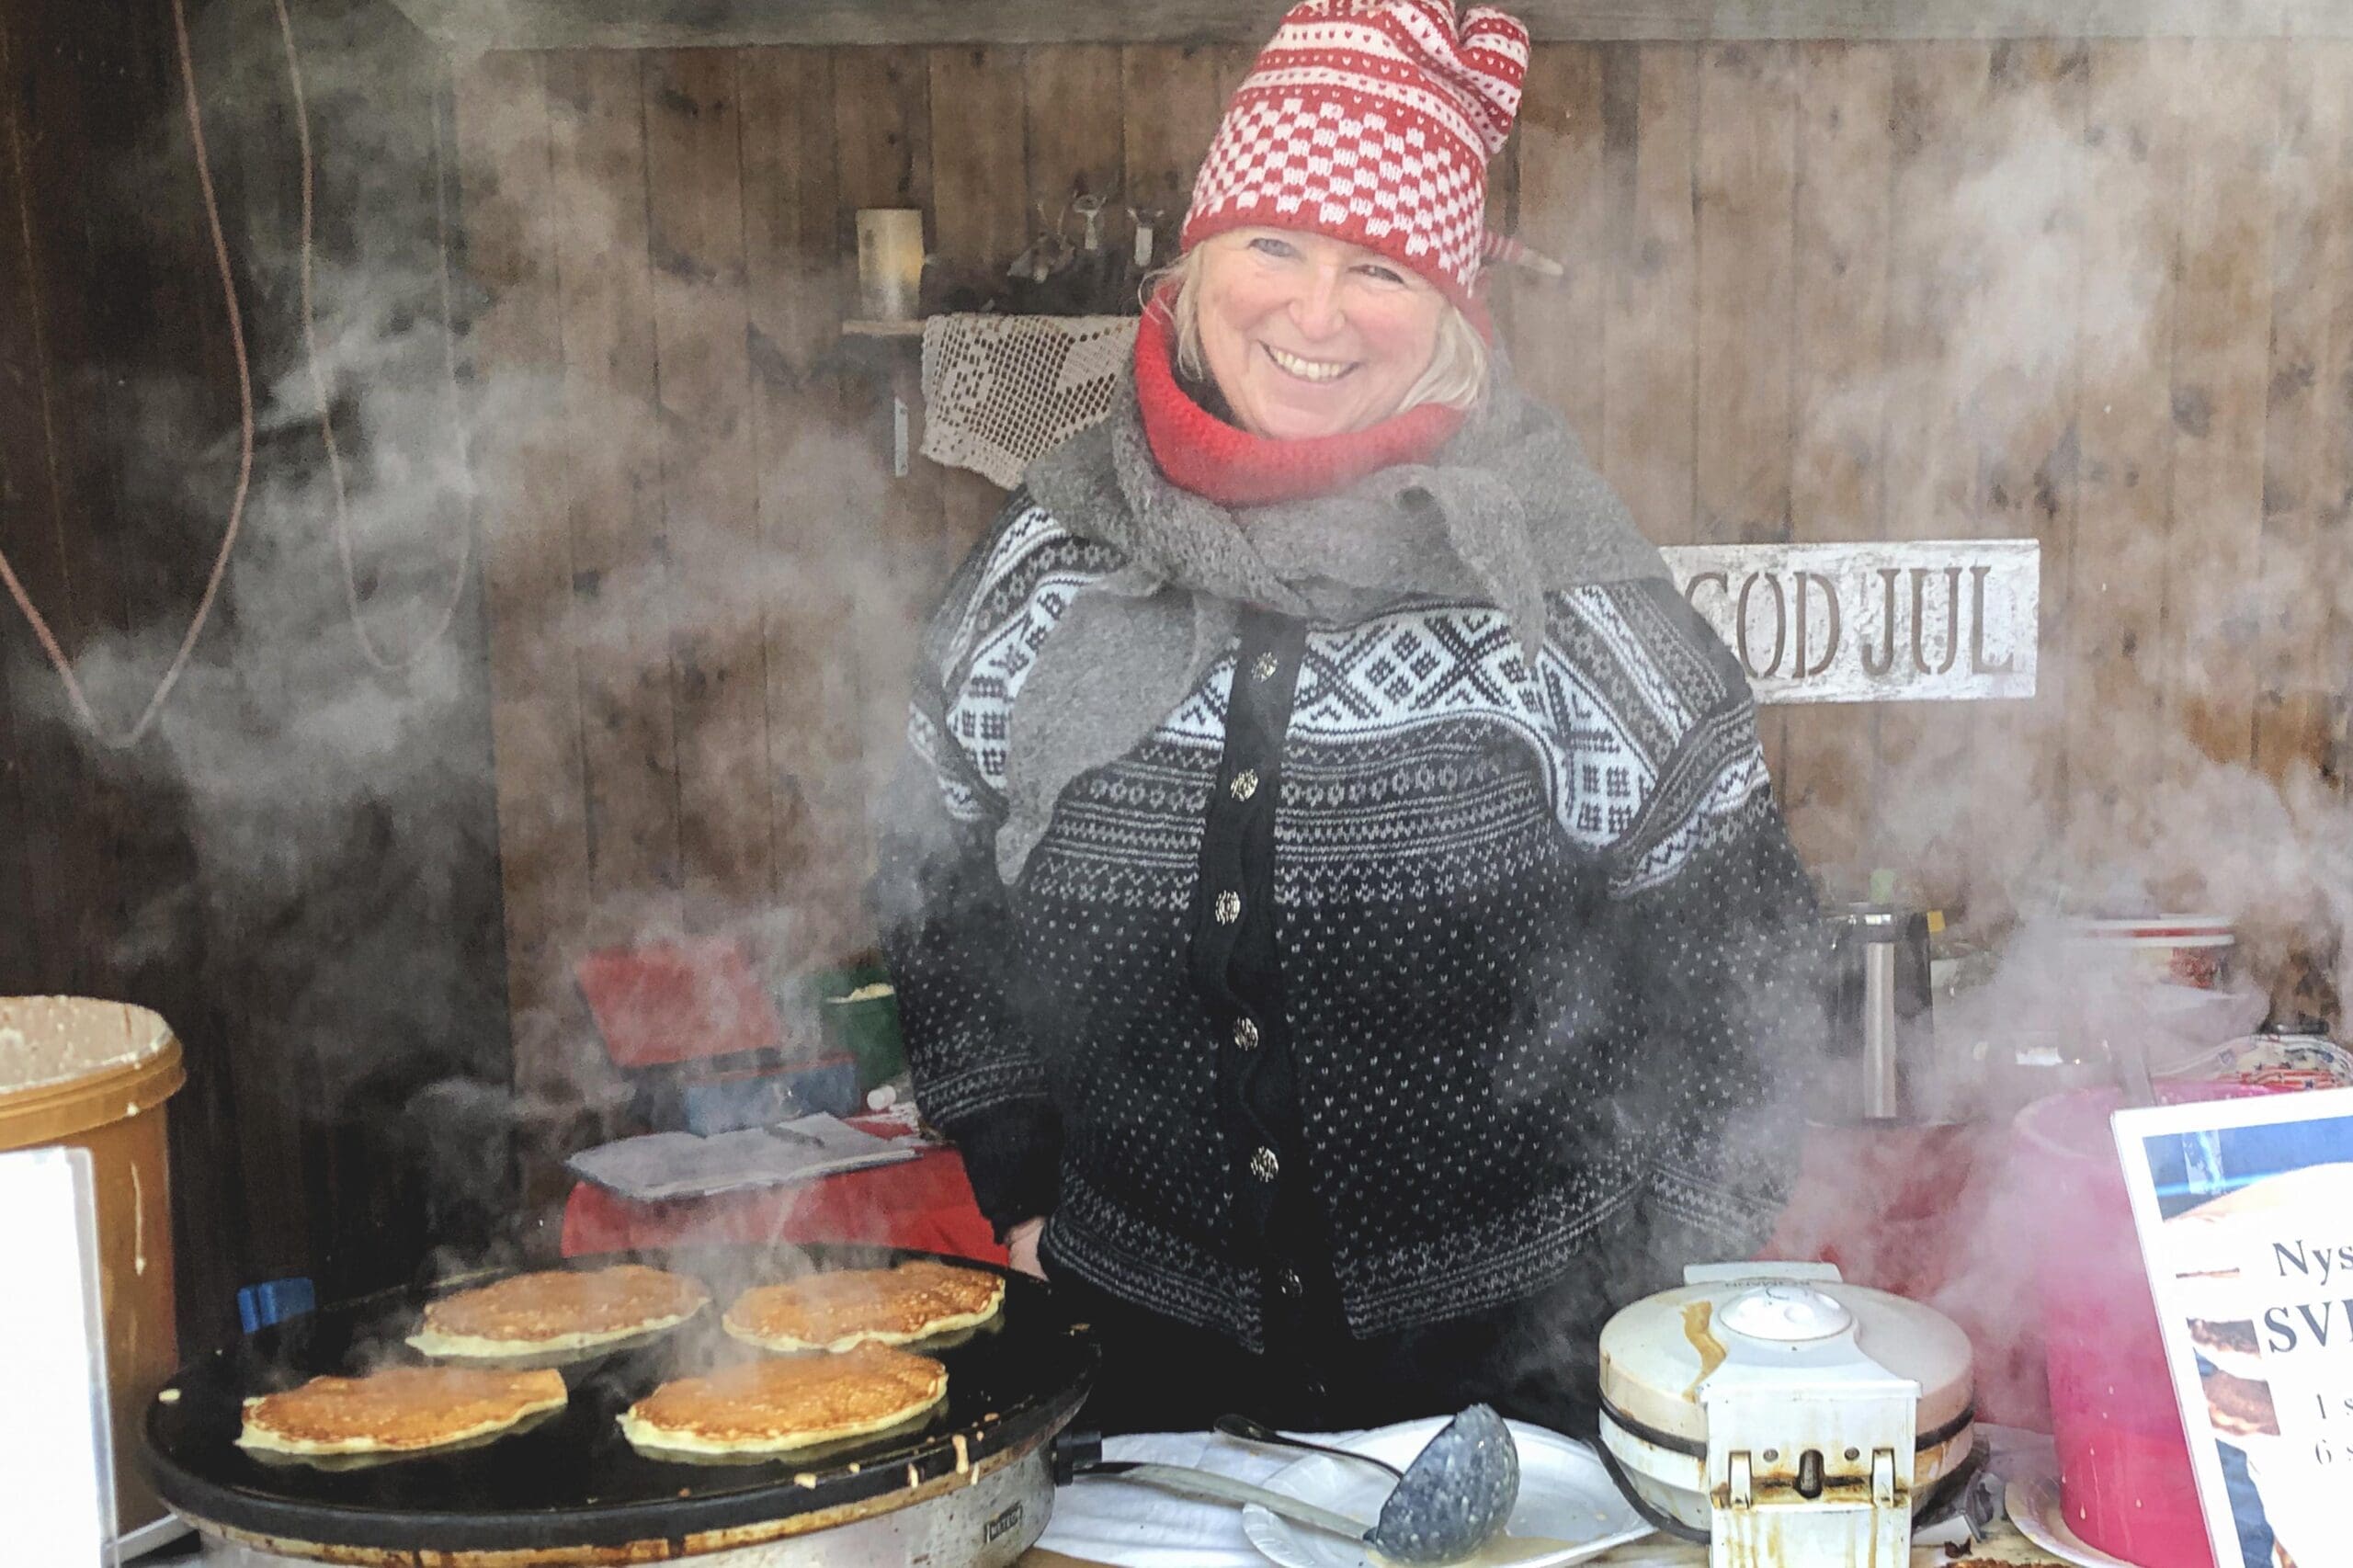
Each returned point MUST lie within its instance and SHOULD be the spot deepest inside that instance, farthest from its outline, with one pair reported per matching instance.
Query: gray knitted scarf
(1508, 511)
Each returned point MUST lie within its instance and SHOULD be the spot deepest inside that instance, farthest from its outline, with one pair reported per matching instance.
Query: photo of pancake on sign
(1928, 620)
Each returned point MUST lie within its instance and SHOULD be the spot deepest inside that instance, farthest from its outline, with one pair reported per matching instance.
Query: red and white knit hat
(1371, 122)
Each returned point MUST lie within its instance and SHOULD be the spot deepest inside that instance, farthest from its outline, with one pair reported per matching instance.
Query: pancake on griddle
(402, 1410)
(865, 1306)
(530, 1316)
(779, 1407)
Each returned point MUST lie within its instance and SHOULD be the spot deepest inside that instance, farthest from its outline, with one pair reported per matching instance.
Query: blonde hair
(1456, 375)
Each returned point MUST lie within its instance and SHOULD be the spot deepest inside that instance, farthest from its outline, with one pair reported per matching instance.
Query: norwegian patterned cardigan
(1540, 930)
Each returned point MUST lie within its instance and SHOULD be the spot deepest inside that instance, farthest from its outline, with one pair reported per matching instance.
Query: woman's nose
(1317, 310)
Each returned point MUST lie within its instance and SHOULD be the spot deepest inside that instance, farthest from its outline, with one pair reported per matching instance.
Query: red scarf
(1233, 468)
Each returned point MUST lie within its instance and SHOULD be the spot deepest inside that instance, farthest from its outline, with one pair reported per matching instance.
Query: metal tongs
(1449, 1502)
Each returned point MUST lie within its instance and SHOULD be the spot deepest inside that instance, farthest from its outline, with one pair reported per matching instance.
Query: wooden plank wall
(2091, 292)
(316, 919)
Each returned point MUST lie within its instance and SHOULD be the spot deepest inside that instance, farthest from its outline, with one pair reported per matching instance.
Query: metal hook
(1091, 208)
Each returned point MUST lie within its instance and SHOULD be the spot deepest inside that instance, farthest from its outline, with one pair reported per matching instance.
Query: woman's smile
(1306, 370)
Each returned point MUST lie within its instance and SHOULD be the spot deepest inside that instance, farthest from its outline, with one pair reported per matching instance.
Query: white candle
(890, 262)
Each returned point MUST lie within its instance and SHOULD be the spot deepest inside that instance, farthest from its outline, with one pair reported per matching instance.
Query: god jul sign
(1939, 620)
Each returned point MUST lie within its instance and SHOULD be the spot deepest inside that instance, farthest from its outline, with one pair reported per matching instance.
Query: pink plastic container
(2124, 1472)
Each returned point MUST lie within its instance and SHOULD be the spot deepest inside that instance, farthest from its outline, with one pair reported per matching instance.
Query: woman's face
(1307, 335)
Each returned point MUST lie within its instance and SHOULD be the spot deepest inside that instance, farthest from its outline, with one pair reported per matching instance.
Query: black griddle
(575, 1481)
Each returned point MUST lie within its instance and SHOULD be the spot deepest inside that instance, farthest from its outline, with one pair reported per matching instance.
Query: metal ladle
(1449, 1502)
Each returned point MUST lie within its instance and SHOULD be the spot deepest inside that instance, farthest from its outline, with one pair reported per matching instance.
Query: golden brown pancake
(402, 1410)
(775, 1406)
(559, 1310)
(865, 1306)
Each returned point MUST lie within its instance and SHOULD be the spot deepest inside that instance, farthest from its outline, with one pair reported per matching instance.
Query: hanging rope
(124, 740)
(368, 646)
(119, 740)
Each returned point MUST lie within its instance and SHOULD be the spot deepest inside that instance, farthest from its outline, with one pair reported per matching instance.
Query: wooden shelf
(859, 328)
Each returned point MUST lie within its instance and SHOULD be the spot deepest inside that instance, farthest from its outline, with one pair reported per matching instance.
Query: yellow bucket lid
(70, 1063)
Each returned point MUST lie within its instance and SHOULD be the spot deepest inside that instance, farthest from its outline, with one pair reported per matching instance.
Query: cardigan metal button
(1264, 666)
(1290, 1284)
(1246, 784)
(1264, 1166)
(1228, 908)
(1245, 1033)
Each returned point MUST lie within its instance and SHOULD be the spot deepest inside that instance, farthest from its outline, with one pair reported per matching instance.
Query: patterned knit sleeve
(1718, 929)
(941, 908)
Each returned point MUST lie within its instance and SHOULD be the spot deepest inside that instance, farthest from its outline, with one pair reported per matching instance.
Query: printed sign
(2245, 1211)
(1937, 620)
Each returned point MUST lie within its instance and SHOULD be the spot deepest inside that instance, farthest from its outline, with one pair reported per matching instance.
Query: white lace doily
(998, 391)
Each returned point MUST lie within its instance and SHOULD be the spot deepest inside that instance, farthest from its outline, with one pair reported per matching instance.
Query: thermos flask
(1881, 1009)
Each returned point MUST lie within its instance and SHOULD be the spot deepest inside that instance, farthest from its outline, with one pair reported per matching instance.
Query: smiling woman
(1335, 899)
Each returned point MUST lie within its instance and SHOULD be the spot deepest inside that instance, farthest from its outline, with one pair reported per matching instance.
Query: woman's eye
(1381, 274)
(1266, 244)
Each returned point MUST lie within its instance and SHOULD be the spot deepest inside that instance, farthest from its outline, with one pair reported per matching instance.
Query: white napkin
(681, 1165)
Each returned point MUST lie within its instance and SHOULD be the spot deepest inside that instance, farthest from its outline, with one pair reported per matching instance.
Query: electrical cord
(124, 739)
(368, 646)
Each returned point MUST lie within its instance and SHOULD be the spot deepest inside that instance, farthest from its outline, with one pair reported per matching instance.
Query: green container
(865, 1028)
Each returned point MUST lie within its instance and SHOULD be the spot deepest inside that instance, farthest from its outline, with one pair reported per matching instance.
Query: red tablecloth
(924, 1203)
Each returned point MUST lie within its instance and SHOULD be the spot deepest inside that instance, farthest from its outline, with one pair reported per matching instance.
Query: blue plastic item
(829, 1086)
(733, 1104)
(275, 1300)
(729, 1105)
